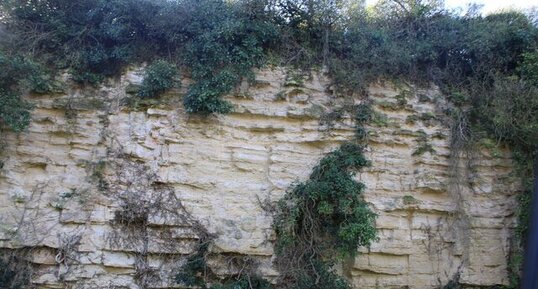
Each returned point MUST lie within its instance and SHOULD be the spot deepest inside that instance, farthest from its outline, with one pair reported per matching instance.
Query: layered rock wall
(106, 194)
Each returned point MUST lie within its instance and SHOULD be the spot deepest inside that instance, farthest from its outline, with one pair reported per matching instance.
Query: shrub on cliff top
(228, 41)
(221, 41)
(18, 74)
(159, 77)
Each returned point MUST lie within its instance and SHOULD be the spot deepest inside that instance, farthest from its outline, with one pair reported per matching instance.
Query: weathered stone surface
(67, 177)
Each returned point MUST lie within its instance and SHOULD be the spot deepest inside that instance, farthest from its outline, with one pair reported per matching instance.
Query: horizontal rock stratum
(88, 158)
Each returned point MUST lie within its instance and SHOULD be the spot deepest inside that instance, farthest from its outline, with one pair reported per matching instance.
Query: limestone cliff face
(111, 196)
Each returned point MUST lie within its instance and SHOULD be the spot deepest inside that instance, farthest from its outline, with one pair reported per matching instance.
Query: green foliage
(505, 110)
(422, 42)
(458, 98)
(524, 215)
(15, 269)
(380, 119)
(97, 174)
(524, 170)
(424, 148)
(394, 43)
(228, 43)
(194, 270)
(18, 74)
(323, 218)
(508, 112)
(94, 39)
(324, 278)
(14, 112)
(333, 198)
(219, 41)
(159, 77)
(205, 96)
(486, 64)
(528, 67)
(363, 114)
(409, 200)
(245, 282)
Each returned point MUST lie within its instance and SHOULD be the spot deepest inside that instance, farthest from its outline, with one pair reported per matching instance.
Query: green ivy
(228, 43)
(324, 219)
(193, 271)
(18, 75)
(221, 41)
(218, 41)
(196, 272)
(487, 64)
(159, 77)
(14, 111)
(244, 282)
(363, 114)
(324, 278)
(205, 95)
(15, 269)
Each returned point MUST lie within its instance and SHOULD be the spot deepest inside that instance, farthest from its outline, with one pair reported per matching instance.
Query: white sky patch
(489, 5)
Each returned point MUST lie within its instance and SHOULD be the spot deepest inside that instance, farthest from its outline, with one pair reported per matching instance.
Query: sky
(489, 5)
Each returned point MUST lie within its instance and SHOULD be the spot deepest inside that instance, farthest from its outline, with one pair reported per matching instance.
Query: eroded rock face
(111, 196)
